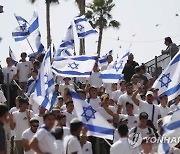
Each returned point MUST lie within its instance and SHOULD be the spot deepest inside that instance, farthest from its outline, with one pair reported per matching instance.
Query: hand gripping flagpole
(26, 38)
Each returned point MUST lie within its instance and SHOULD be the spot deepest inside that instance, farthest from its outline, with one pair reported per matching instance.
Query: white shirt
(69, 117)
(24, 69)
(132, 120)
(71, 144)
(28, 135)
(87, 148)
(11, 70)
(20, 118)
(59, 147)
(126, 98)
(116, 94)
(103, 112)
(121, 146)
(45, 141)
(148, 76)
(164, 111)
(148, 108)
(63, 86)
(95, 103)
(2, 97)
(95, 79)
(144, 132)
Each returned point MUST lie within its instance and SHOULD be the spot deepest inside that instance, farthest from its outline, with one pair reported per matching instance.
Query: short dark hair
(168, 39)
(143, 115)
(58, 133)
(61, 116)
(24, 53)
(3, 109)
(69, 102)
(129, 84)
(47, 115)
(162, 96)
(127, 103)
(75, 126)
(123, 130)
(23, 100)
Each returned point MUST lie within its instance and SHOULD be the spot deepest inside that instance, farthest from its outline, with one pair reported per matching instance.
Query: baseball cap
(143, 115)
(149, 93)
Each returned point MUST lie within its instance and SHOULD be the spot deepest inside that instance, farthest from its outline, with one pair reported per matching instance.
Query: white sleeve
(73, 146)
(40, 134)
(24, 135)
(120, 101)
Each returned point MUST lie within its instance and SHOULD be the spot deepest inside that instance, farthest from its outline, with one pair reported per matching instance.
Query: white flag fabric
(96, 124)
(83, 27)
(169, 81)
(67, 43)
(45, 83)
(171, 134)
(11, 54)
(114, 71)
(103, 60)
(74, 66)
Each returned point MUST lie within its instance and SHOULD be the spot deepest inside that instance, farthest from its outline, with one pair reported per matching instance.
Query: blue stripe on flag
(20, 34)
(20, 38)
(51, 82)
(82, 58)
(33, 26)
(38, 86)
(111, 76)
(45, 102)
(99, 129)
(80, 20)
(177, 59)
(71, 72)
(84, 34)
(166, 147)
(103, 60)
(172, 126)
(172, 90)
(67, 43)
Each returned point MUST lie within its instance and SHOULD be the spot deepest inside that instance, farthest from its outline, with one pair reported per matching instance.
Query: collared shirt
(2, 138)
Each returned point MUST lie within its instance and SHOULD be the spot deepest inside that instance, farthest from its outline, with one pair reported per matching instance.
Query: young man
(58, 143)
(164, 109)
(40, 115)
(71, 142)
(43, 140)
(19, 122)
(28, 135)
(147, 106)
(3, 117)
(122, 145)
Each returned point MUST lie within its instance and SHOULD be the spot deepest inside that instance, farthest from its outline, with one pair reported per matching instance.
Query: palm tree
(48, 2)
(81, 5)
(99, 14)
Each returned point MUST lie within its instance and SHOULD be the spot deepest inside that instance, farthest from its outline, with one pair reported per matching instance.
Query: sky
(138, 32)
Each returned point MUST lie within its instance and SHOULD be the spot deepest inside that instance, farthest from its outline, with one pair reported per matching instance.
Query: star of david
(89, 113)
(79, 27)
(165, 80)
(118, 66)
(46, 78)
(73, 66)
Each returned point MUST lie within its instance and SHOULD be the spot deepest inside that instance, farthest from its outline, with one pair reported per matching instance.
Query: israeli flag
(11, 54)
(67, 43)
(171, 134)
(96, 124)
(45, 83)
(30, 86)
(83, 27)
(169, 81)
(103, 60)
(114, 71)
(74, 66)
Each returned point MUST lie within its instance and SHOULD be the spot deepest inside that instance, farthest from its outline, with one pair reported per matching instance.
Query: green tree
(48, 2)
(99, 15)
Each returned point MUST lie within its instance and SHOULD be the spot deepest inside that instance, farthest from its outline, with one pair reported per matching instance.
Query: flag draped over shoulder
(169, 81)
(96, 124)
(11, 54)
(45, 83)
(74, 66)
(83, 27)
(114, 71)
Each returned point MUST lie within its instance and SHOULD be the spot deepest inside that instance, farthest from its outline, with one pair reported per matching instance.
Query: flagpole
(26, 37)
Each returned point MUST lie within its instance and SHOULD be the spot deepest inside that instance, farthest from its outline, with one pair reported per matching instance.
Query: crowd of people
(130, 106)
